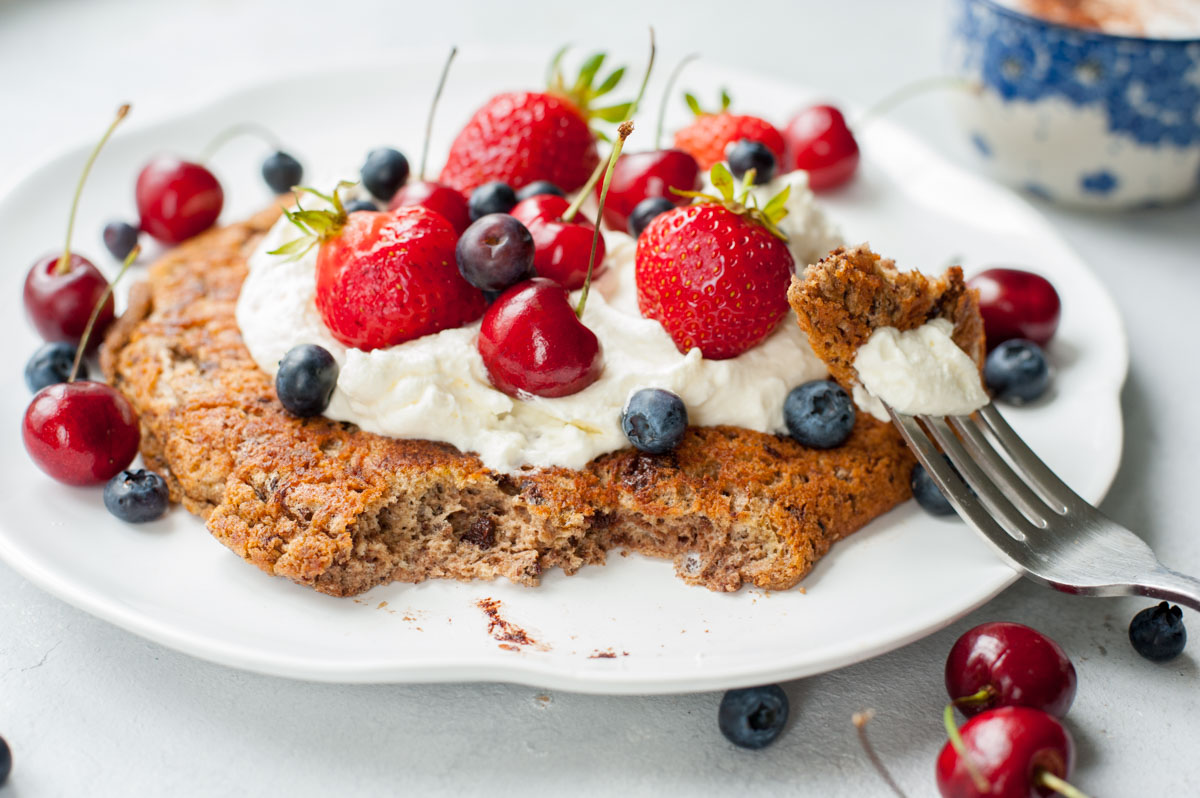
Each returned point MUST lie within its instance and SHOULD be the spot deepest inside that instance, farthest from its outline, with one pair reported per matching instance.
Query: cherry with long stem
(623, 132)
(666, 95)
(860, 721)
(64, 261)
(87, 331)
(437, 95)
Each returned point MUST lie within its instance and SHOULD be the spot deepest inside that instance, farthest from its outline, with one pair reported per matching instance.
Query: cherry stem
(437, 95)
(594, 177)
(860, 720)
(108, 290)
(622, 133)
(666, 95)
(956, 742)
(242, 129)
(984, 695)
(1047, 779)
(64, 261)
(905, 93)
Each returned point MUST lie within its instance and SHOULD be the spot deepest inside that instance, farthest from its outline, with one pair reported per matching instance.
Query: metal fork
(1030, 517)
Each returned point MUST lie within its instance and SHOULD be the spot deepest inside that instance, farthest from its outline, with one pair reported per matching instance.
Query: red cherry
(80, 433)
(1009, 748)
(1014, 665)
(177, 199)
(1016, 304)
(532, 342)
(59, 304)
(642, 175)
(820, 143)
(560, 249)
(539, 207)
(447, 201)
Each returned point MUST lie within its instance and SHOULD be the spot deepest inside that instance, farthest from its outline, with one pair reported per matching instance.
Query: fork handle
(1163, 583)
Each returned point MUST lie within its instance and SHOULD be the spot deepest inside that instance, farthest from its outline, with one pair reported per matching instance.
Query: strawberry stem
(87, 331)
(956, 742)
(437, 95)
(64, 261)
(914, 89)
(860, 720)
(1047, 779)
(662, 106)
(622, 133)
(242, 129)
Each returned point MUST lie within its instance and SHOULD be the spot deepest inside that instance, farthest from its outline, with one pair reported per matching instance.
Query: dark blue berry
(5, 761)
(744, 155)
(306, 378)
(360, 205)
(538, 187)
(1157, 633)
(645, 211)
(819, 414)
(654, 420)
(753, 716)
(282, 172)
(495, 252)
(1017, 371)
(384, 172)
(927, 494)
(494, 197)
(120, 238)
(51, 364)
(137, 496)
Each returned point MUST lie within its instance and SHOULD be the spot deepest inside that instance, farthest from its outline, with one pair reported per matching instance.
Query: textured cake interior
(341, 510)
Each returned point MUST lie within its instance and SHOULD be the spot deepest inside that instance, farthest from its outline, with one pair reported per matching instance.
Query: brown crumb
(504, 631)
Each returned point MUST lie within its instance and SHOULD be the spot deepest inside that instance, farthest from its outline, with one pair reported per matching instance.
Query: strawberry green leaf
(722, 180)
(295, 248)
(776, 208)
(693, 103)
(726, 100)
(587, 73)
(613, 113)
(610, 82)
(554, 77)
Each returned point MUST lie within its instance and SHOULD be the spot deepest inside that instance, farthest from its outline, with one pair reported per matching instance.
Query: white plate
(902, 577)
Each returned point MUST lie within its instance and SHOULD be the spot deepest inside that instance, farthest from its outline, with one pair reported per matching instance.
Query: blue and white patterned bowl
(1076, 116)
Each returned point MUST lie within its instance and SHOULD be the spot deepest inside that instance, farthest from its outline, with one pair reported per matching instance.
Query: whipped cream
(436, 387)
(919, 371)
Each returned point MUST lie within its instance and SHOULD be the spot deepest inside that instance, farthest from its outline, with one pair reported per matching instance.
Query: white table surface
(90, 709)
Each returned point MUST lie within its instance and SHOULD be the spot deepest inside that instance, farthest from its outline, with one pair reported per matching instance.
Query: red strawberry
(715, 274)
(707, 137)
(520, 137)
(385, 278)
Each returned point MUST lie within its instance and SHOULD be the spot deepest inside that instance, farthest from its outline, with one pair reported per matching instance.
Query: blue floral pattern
(1102, 182)
(1149, 90)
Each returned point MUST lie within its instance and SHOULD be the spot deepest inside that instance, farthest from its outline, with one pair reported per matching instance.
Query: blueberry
(120, 238)
(1157, 633)
(137, 496)
(645, 211)
(495, 252)
(654, 420)
(538, 187)
(282, 172)
(360, 205)
(927, 494)
(384, 172)
(744, 155)
(1017, 371)
(494, 197)
(5, 761)
(50, 365)
(306, 379)
(754, 716)
(819, 414)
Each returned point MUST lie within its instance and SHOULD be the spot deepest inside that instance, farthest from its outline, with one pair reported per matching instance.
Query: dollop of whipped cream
(920, 371)
(436, 387)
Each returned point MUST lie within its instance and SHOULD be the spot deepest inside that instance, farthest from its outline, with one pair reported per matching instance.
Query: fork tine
(1054, 490)
(993, 497)
(957, 493)
(992, 464)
